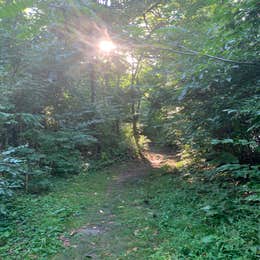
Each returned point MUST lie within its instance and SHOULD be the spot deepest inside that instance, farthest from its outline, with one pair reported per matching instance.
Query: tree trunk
(135, 118)
(92, 83)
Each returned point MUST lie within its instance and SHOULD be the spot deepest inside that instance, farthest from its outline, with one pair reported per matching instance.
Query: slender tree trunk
(136, 104)
(92, 83)
(27, 182)
(117, 127)
(135, 118)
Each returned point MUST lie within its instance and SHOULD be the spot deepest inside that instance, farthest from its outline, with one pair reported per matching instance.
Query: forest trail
(87, 84)
(107, 235)
(148, 210)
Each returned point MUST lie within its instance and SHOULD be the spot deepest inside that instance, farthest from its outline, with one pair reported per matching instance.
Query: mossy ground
(130, 211)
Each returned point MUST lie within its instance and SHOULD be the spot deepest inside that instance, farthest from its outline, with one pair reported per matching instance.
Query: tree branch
(196, 53)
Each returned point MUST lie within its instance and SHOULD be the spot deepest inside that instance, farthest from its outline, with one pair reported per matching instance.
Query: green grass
(161, 216)
(166, 217)
(193, 221)
(36, 221)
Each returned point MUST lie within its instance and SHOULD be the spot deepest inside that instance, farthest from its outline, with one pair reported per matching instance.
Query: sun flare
(106, 46)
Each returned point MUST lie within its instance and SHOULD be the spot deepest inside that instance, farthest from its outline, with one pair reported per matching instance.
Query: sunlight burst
(106, 46)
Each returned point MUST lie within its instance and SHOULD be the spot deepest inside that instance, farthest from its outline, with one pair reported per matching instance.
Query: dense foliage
(207, 101)
(60, 97)
(184, 73)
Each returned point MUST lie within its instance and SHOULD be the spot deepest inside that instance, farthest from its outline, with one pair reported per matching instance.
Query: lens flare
(106, 46)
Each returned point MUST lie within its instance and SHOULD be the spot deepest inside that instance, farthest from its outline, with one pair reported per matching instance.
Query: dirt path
(107, 236)
(143, 211)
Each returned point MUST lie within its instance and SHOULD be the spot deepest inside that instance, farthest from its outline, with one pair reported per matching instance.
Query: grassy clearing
(158, 216)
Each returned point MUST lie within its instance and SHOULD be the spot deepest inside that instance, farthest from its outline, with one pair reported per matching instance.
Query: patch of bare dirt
(132, 171)
(160, 158)
(155, 158)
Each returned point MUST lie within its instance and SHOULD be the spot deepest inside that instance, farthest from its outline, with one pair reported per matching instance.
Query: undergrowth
(33, 228)
(186, 218)
(160, 216)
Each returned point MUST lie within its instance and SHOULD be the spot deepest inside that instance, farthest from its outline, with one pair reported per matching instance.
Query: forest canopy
(85, 84)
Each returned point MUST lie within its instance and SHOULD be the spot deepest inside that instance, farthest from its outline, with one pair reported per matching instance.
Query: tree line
(183, 73)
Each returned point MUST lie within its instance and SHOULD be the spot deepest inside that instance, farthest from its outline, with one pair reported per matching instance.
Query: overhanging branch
(195, 53)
